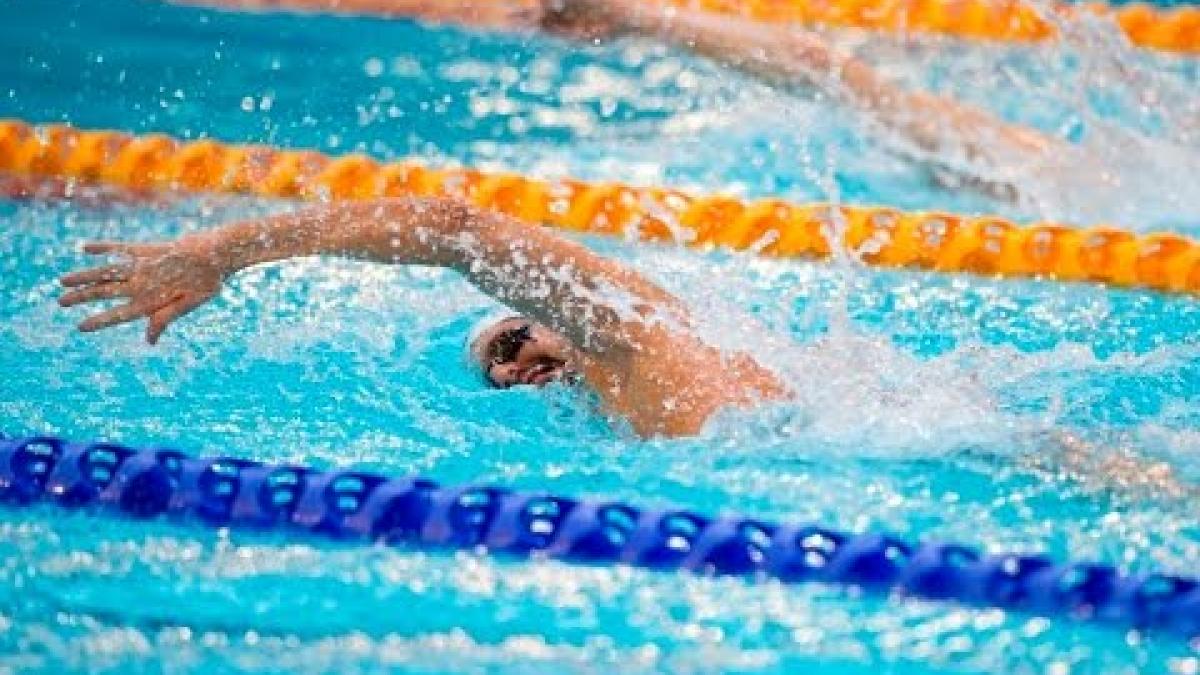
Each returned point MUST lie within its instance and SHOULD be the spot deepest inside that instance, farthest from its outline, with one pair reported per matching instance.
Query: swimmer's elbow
(401, 230)
(452, 214)
(455, 218)
(443, 213)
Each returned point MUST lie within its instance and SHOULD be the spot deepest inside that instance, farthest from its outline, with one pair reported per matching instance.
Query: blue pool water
(925, 398)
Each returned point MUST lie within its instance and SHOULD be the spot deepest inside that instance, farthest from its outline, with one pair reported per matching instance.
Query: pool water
(924, 401)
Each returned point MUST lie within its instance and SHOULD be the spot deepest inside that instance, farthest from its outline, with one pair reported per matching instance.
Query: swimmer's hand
(161, 282)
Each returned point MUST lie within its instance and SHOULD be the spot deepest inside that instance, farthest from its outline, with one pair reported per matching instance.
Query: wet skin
(591, 318)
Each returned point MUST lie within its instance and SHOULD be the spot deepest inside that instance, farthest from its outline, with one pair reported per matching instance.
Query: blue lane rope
(352, 505)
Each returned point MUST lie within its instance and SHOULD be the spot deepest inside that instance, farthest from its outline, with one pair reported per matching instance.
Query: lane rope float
(886, 237)
(1174, 30)
(367, 508)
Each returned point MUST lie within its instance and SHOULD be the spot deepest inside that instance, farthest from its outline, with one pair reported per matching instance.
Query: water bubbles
(406, 67)
(918, 396)
(373, 67)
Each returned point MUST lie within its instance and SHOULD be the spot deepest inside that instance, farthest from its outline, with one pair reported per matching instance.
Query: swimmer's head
(511, 350)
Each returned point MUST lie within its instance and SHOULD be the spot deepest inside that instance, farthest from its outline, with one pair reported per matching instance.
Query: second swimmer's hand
(160, 282)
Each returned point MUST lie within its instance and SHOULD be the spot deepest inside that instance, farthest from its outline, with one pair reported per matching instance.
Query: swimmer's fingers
(130, 311)
(162, 317)
(123, 248)
(102, 291)
(96, 275)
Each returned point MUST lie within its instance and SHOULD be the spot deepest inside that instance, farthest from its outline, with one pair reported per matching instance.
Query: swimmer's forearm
(792, 56)
(748, 45)
(786, 55)
(403, 231)
(593, 300)
(783, 54)
(479, 13)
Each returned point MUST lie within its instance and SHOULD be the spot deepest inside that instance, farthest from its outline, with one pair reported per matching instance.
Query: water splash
(919, 395)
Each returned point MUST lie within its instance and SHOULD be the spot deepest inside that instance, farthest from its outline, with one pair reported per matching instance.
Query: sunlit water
(921, 399)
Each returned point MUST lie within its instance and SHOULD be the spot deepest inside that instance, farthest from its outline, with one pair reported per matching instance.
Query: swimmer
(952, 136)
(962, 144)
(577, 317)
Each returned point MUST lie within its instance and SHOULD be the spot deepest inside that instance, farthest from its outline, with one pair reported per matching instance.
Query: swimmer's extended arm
(556, 16)
(504, 14)
(785, 54)
(1120, 470)
(788, 55)
(599, 304)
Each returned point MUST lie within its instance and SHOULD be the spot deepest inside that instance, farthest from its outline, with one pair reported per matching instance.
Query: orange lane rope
(883, 236)
(1176, 30)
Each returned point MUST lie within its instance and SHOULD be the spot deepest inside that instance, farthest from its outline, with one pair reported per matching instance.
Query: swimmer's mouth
(544, 372)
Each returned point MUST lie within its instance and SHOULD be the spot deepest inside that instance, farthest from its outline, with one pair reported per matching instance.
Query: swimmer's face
(518, 351)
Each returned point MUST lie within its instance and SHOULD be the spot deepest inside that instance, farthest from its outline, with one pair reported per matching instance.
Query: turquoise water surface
(925, 400)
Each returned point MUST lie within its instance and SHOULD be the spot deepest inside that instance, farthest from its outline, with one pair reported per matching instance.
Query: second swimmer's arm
(788, 55)
(18, 187)
(502, 14)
